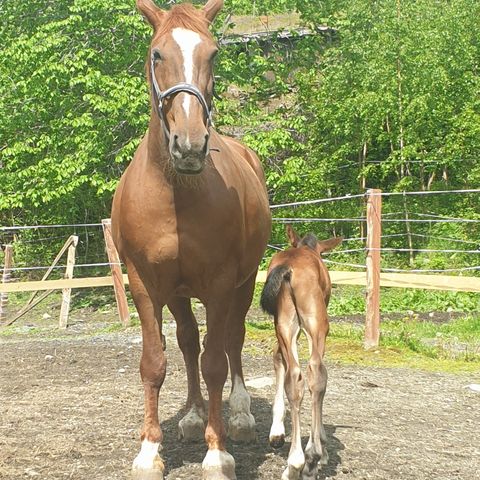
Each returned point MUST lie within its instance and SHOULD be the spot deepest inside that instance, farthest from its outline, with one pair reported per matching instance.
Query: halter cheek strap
(179, 87)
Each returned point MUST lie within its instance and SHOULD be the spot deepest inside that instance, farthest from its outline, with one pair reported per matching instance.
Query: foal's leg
(288, 329)
(218, 464)
(192, 425)
(241, 424)
(277, 431)
(148, 464)
(316, 329)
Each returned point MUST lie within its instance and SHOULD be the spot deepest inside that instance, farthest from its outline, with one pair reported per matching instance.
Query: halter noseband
(179, 87)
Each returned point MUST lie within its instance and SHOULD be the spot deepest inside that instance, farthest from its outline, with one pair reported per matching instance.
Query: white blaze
(187, 40)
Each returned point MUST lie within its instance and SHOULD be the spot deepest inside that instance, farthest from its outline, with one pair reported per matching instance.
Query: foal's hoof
(218, 465)
(241, 428)
(291, 473)
(277, 441)
(192, 427)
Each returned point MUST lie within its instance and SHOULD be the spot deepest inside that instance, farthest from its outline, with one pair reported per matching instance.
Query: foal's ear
(211, 9)
(150, 11)
(327, 245)
(292, 236)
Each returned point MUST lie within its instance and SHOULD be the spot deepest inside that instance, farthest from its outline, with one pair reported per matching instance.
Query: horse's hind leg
(315, 451)
(287, 330)
(148, 464)
(277, 430)
(241, 424)
(192, 425)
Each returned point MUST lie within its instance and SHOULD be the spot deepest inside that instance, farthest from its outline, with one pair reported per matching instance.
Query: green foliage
(350, 300)
(388, 99)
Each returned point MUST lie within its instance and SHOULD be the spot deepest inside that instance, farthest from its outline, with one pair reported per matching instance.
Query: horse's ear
(327, 245)
(211, 9)
(292, 236)
(150, 11)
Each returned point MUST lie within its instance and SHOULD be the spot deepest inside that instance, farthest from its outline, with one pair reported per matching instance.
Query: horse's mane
(185, 16)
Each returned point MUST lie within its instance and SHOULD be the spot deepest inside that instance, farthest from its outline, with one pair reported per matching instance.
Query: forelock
(185, 16)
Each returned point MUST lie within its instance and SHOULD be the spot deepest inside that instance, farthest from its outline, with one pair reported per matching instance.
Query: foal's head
(180, 66)
(311, 241)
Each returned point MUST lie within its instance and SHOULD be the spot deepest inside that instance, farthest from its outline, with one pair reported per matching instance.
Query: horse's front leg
(241, 424)
(192, 425)
(218, 464)
(148, 465)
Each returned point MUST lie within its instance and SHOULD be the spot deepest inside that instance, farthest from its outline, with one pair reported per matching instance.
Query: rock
(49, 358)
(474, 387)
(260, 382)
(46, 316)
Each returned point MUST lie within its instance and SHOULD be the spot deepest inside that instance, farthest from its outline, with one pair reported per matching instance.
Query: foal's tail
(271, 289)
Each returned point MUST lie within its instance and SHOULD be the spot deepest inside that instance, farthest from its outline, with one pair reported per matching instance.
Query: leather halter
(179, 87)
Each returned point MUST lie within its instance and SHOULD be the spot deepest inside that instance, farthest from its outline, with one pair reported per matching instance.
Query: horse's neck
(157, 141)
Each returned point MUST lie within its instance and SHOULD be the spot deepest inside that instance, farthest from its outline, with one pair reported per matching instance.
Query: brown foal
(190, 218)
(296, 293)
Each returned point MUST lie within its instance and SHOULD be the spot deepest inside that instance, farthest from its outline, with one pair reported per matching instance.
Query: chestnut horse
(296, 293)
(190, 218)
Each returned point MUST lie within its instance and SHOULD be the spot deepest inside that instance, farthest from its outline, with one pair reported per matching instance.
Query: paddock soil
(71, 407)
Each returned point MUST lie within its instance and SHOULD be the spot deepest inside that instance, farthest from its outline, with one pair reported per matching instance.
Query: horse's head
(180, 70)
(311, 241)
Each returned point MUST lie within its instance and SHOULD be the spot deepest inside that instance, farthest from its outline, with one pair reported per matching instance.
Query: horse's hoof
(277, 441)
(324, 458)
(218, 465)
(192, 427)
(241, 428)
(148, 465)
(147, 475)
(155, 472)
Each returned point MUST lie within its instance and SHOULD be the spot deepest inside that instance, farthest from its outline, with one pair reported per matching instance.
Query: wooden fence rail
(399, 280)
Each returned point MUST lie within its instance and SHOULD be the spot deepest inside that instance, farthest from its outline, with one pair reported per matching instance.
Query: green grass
(350, 300)
(449, 347)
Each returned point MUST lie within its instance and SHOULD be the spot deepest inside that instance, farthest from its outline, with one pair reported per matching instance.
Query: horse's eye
(157, 56)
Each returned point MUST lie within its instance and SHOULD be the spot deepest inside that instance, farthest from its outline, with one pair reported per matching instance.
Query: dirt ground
(71, 408)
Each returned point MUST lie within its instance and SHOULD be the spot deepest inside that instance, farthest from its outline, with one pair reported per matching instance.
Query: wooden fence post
(67, 292)
(374, 233)
(116, 269)
(8, 257)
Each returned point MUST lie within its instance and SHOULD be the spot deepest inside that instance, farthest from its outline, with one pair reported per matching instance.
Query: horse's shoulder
(246, 154)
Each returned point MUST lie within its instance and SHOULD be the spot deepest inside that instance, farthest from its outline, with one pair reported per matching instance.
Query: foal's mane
(309, 240)
(185, 16)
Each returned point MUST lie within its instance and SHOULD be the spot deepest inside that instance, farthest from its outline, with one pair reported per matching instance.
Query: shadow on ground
(183, 460)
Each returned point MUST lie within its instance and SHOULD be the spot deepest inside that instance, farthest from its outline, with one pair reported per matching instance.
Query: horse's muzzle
(188, 158)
